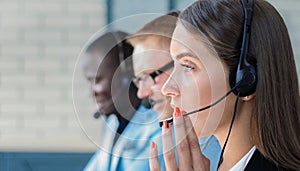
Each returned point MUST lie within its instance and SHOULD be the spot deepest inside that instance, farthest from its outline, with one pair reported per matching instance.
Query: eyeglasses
(149, 79)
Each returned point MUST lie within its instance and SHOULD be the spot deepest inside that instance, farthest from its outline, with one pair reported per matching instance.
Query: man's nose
(144, 91)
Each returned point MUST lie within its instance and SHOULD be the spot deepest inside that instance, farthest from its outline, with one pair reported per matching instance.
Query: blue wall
(14, 161)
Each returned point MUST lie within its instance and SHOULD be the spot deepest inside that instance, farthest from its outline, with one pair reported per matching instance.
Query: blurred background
(39, 44)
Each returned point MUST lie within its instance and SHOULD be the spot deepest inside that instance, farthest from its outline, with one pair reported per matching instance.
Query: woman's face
(199, 78)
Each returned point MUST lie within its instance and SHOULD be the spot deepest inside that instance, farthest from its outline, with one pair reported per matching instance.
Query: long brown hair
(275, 117)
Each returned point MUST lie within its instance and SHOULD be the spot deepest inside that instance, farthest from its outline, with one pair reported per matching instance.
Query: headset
(125, 68)
(244, 73)
(243, 80)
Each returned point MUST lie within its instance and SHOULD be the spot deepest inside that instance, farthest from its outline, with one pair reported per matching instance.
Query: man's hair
(112, 42)
(161, 27)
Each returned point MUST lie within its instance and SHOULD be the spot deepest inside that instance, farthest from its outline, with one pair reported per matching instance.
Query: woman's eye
(187, 68)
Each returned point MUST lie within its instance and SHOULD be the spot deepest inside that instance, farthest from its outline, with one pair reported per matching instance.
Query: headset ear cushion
(248, 80)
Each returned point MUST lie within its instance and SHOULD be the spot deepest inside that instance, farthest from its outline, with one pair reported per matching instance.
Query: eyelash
(187, 68)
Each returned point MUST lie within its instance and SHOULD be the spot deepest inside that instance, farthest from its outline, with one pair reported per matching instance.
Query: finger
(182, 146)
(153, 158)
(168, 147)
(200, 162)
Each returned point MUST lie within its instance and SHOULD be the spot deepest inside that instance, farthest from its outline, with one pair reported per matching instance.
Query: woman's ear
(248, 98)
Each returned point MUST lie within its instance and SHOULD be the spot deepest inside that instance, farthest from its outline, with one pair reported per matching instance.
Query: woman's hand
(187, 146)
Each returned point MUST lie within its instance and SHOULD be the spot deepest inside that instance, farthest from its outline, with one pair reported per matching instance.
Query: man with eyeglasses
(152, 62)
(146, 81)
(152, 66)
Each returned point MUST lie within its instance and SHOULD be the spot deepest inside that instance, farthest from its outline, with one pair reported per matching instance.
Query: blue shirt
(211, 149)
(131, 150)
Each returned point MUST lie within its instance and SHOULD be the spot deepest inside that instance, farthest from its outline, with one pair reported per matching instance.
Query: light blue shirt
(211, 149)
(131, 150)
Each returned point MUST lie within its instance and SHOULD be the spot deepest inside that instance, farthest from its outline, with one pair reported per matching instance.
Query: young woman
(257, 125)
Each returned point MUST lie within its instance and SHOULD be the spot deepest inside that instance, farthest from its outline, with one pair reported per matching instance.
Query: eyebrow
(181, 55)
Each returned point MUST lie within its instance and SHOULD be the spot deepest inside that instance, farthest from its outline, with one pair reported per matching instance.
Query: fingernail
(166, 124)
(176, 112)
(152, 144)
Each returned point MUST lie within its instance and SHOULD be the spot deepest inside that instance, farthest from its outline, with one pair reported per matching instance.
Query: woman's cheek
(190, 94)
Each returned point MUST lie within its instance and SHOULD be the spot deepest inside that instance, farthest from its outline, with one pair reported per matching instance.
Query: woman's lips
(181, 110)
(174, 106)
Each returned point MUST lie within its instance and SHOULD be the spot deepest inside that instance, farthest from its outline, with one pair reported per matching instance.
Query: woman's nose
(170, 88)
